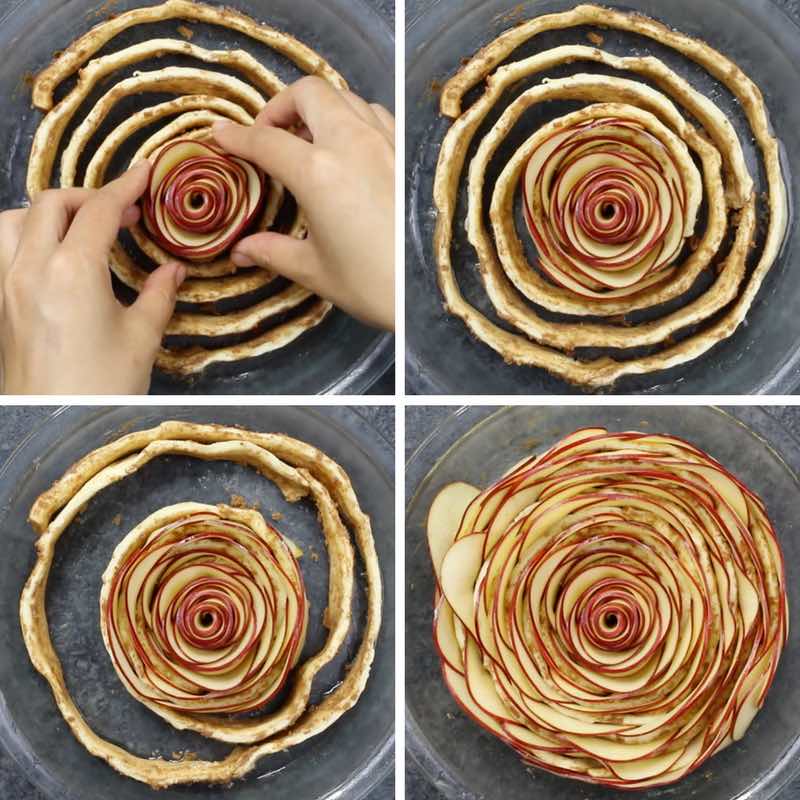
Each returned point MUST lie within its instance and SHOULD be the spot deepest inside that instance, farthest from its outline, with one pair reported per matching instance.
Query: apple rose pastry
(613, 609)
(607, 204)
(611, 196)
(200, 201)
(203, 609)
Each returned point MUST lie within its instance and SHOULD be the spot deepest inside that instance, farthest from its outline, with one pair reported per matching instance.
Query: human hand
(340, 168)
(62, 330)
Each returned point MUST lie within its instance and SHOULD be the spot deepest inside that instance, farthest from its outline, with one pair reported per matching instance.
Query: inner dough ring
(191, 323)
(293, 465)
(185, 81)
(337, 542)
(194, 124)
(738, 192)
(509, 248)
(186, 361)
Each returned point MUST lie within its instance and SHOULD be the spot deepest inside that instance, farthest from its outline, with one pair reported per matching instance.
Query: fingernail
(131, 213)
(221, 125)
(241, 260)
(180, 275)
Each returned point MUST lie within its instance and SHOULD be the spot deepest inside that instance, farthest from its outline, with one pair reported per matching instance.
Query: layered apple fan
(639, 205)
(613, 609)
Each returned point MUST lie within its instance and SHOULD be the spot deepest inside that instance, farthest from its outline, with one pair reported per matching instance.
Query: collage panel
(199, 602)
(600, 197)
(599, 598)
(231, 163)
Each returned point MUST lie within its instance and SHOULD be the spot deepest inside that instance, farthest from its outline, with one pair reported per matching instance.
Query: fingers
(374, 115)
(309, 101)
(47, 222)
(97, 222)
(11, 225)
(279, 153)
(156, 302)
(293, 258)
(308, 104)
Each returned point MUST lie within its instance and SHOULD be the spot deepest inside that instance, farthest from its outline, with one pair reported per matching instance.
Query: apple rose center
(200, 200)
(204, 613)
(606, 202)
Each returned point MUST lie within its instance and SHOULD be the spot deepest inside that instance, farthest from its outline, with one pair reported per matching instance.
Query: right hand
(340, 168)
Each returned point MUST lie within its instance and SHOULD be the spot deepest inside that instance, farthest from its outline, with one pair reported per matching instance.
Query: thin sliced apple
(444, 518)
(613, 608)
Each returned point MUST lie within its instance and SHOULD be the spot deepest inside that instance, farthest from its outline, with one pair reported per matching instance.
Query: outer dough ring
(603, 371)
(294, 466)
(83, 48)
(189, 360)
(52, 126)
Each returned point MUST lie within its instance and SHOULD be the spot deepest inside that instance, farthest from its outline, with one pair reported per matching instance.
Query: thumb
(293, 258)
(156, 301)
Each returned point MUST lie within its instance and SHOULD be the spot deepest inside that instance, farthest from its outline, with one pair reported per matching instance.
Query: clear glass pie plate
(347, 760)
(477, 445)
(442, 356)
(340, 355)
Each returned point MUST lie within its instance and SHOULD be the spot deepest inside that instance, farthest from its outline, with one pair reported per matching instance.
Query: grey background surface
(420, 422)
(15, 424)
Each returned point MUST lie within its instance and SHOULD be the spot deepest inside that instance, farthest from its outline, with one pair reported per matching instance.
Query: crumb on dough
(277, 516)
(105, 9)
(117, 520)
(185, 31)
(184, 755)
(237, 501)
(595, 38)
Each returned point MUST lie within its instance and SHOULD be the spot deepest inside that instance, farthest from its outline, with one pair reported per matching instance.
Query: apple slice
(459, 573)
(444, 518)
